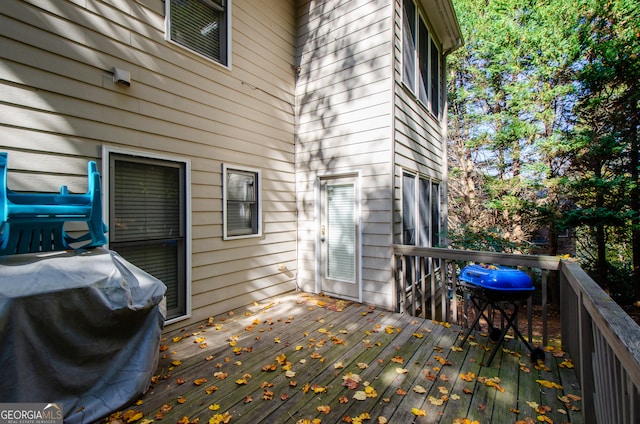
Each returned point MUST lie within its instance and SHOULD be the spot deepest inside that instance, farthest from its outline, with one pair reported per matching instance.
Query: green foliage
(544, 103)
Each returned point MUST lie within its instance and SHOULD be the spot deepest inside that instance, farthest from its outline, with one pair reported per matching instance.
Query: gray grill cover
(82, 329)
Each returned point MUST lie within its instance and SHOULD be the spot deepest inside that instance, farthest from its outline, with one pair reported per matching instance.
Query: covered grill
(498, 287)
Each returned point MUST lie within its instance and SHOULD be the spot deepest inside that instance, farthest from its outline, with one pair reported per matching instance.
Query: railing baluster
(545, 334)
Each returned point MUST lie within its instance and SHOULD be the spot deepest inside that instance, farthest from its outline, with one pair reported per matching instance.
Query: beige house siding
(344, 108)
(60, 108)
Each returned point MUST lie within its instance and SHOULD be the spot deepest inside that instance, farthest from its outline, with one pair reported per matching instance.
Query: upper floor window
(242, 211)
(421, 58)
(201, 26)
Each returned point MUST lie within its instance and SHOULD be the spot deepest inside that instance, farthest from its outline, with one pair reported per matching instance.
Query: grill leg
(480, 308)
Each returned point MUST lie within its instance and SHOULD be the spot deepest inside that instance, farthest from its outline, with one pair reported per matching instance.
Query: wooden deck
(288, 360)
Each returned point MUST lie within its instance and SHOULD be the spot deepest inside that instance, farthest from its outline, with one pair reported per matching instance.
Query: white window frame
(227, 10)
(226, 235)
(415, 58)
(106, 152)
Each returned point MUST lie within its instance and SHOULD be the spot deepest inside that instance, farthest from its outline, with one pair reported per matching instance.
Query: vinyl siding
(60, 107)
(345, 105)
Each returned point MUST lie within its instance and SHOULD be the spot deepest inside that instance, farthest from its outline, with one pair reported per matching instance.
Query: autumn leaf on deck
(176, 363)
(362, 365)
(343, 399)
(248, 399)
(181, 400)
(443, 361)
(402, 370)
(281, 359)
(220, 375)
(456, 349)
(325, 409)
(390, 330)
(199, 339)
(241, 381)
(214, 407)
(176, 339)
(270, 367)
(319, 389)
(179, 381)
(435, 401)
(465, 421)
(419, 412)
(397, 359)
(220, 418)
(544, 419)
(567, 363)
(468, 376)
(418, 335)
(419, 389)
(429, 376)
(370, 392)
(267, 394)
(549, 384)
(360, 395)
(199, 381)
(290, 374)
(210, 389)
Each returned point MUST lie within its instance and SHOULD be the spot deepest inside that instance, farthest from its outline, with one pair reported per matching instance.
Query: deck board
(324, 339)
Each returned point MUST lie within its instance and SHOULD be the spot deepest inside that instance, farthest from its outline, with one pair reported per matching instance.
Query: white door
(339, 238)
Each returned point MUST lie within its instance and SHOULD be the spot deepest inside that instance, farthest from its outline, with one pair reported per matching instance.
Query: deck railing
(602, 340)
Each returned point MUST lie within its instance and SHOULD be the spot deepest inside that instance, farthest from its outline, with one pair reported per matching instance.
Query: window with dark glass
(421, 58)
(147, 221)
(241, 202)
(199, 25)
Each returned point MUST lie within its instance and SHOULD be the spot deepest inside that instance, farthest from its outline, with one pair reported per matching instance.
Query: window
(201, 26)
(421, 58)
(148, 221)
(242, 211)
(420, 211)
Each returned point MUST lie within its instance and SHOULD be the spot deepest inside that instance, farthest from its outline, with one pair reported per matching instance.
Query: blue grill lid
(496, 278)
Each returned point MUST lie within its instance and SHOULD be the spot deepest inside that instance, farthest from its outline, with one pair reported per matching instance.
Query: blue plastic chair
(34, 222)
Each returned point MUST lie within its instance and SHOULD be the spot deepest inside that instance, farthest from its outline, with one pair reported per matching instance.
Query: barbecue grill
(498, 287)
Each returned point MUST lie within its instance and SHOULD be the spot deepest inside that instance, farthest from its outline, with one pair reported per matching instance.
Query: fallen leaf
(360, 395)
(325, 409)
(419, 412)
(468, 376)
(419, 389)
(549, 384)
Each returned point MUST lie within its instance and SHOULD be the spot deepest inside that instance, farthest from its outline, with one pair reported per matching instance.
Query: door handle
(322, 233)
